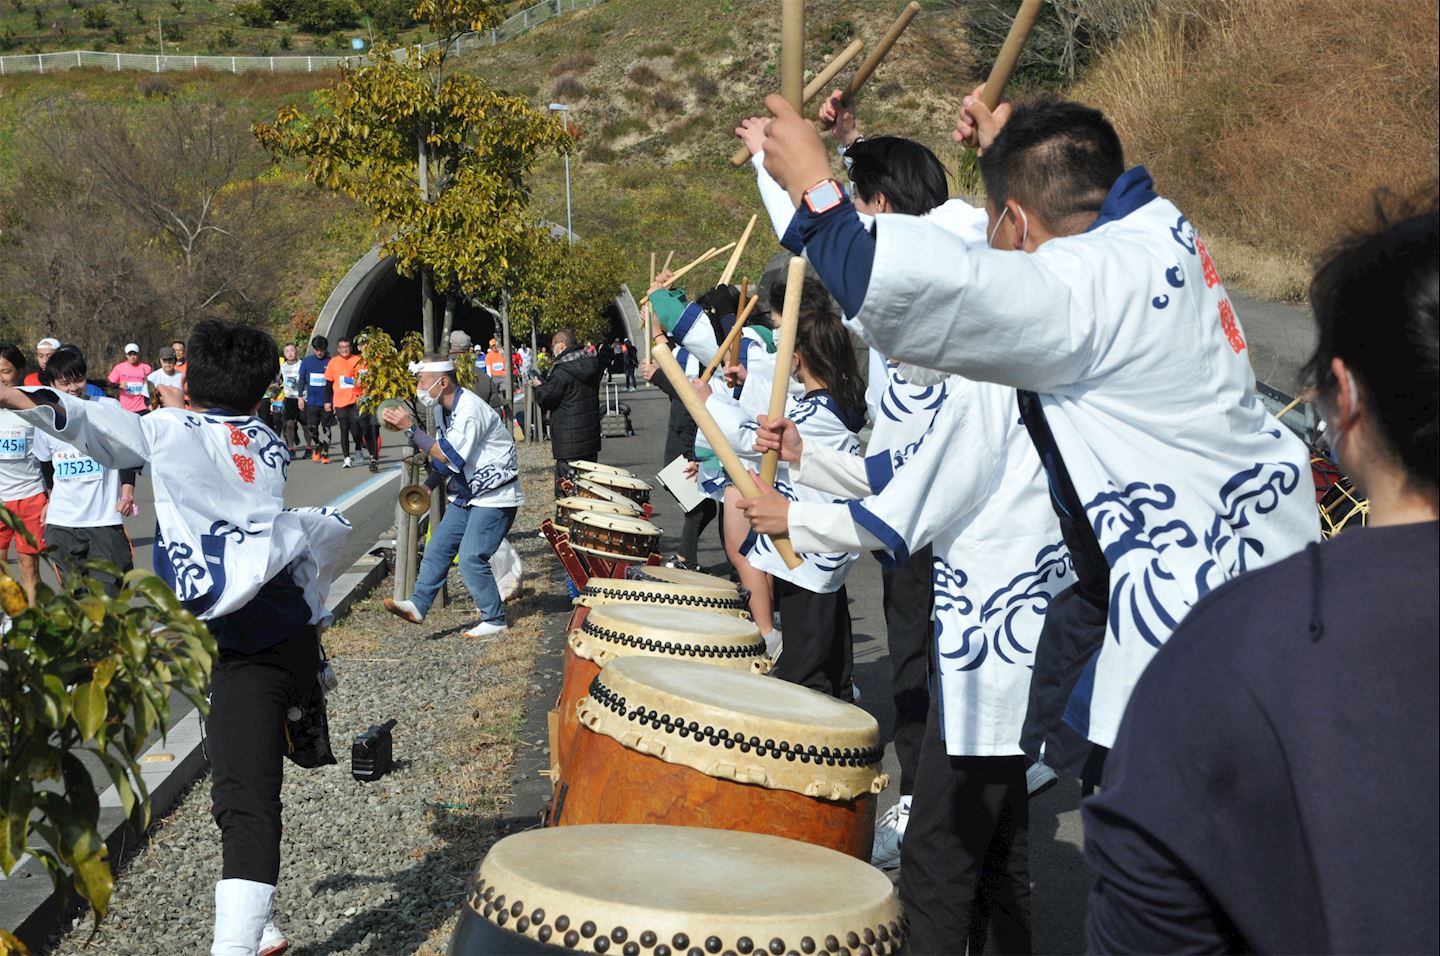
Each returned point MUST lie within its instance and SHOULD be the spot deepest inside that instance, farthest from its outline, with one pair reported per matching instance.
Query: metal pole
(437, 505)
(160, 29)
(569, 221)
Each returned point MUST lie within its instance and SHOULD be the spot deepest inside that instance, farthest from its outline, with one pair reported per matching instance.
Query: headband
(418, 367)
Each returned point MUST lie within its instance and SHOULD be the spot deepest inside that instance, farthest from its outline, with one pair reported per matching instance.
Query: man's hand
(665, 276)
(840, 117)
(169, 396)
(780, 435)
(126, 506)
(975, 120)
(794, 154)
(397, 418)
(734, 375)
(702, 389)
(752, 133)
(769, 513)
(15, 398)
(302, 401)
(648, 370)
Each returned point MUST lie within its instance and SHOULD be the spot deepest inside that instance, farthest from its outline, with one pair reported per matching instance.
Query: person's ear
(882, 203)
(1019, 225)
(1347, 395)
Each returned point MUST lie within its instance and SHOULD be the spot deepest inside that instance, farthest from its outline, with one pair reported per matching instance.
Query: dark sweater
(571, 394)
(1274, 784)
(680, 429)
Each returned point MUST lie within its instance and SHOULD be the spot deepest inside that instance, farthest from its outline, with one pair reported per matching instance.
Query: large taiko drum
(627, 486)
(679, 743)
(566, 507)
(659, 586)
(613, 536)
(581, 467)
(674, 891)
(632, 631)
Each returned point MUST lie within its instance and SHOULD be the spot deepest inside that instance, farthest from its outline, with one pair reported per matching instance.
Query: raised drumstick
(1009, 54)
(871, 62)
(812, 89)
(734, 357)
(779, 391)
(735, 256)
(735, 468)
(699, 261)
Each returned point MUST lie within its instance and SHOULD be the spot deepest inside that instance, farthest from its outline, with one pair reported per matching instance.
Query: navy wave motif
(949, 582)
(1023, 601)
(1255, 491)
(898, 402)
(496, 475)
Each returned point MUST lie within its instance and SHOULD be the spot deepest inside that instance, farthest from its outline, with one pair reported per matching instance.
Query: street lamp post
(569, 222)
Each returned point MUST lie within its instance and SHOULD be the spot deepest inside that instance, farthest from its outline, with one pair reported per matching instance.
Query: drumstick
(646, 312)
(792, 51)
(667, 261)
(744, 483)
(872, 62)
(735, 256)
(1009, 54)
(812, 89)
(700, 261)
(734, 356)
(731, 339)
(1299, 400)
(789, 320)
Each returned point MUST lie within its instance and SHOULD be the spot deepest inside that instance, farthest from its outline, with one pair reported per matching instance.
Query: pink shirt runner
(134, 396)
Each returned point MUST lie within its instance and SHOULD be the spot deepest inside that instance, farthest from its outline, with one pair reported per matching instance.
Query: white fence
(155, 63)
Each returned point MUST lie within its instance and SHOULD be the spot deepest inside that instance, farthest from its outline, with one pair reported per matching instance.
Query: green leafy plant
(84, 672)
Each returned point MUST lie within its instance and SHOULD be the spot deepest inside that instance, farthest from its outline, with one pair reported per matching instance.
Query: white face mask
(1025, 225)
(424, 397)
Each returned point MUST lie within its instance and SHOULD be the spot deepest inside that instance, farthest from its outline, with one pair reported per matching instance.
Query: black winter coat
(571, 394)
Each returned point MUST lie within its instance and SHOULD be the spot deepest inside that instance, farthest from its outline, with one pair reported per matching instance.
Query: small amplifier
(372, 753)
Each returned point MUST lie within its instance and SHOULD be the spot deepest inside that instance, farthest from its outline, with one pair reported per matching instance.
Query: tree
(440, 158)
(558, 285)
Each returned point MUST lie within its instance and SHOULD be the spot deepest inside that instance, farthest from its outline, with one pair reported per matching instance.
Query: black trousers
(290, 418)
(348, 418)
(314, 428)
(70, 546)
(817, 653)
(1073, 631)
(909, 598)
(369, 434)
(696, 520)
(562, 470)
(245, 741)
(964, 863)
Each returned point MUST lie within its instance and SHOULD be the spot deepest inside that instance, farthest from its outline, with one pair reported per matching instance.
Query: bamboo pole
(882, 49)
(813, 89)
(735, 256)
(731, 340)
(779, 391)
(742, 479)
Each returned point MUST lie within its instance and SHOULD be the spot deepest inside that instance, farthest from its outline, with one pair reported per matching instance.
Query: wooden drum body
(613, 536)
(678, 743)
(628, 631)
(625, 486)
(673, 891)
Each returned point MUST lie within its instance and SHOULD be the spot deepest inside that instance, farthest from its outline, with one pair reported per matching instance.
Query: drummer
(473, 460)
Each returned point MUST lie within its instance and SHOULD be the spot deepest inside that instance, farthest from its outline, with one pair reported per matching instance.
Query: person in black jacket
(571, 394)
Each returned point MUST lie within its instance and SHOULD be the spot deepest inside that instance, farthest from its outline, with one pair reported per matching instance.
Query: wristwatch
(824, 196)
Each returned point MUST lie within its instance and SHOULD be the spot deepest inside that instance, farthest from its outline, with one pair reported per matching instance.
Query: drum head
(751, 728)
(566, 507)
(683, 888)
(624, 630)
(641, 585)
(595, 490)
(682, 577)
(621, 482)
(624, 524)
(595, 466)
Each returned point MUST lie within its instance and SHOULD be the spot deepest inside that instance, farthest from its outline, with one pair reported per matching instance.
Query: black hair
(67, 364)
(906, 173)
(566, 337)
(229, 365)
(1057, 157)
(13, 355)
(824, 343)
(1375, 296)
(318, 342)
(345, 341)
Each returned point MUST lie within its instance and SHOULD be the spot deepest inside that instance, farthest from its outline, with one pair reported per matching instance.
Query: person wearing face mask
(1287, 727)
(88, 501)
(472, 462)
(570, 393)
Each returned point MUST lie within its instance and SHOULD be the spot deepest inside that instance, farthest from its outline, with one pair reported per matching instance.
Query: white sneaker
(272, 941)
(889, 832)
(348, 462)
(854, 693)
(485, 629)
(1039, 778)
(774, 643)
(405, 610)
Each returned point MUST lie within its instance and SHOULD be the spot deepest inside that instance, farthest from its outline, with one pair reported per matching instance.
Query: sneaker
(854, 693)
(348, 462)
(314, 455)
(405, 610)
(324, 459)
(485, 629)
(374, 465)
(1039, 778)
(889, 832)
(272, 941)
(774, 643)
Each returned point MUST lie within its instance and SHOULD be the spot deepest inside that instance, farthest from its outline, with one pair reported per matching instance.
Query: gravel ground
(377, 867)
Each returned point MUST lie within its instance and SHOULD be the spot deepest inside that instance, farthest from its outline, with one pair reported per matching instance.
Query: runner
(315, 398)
(43, 350)
(131, 377)
(290, 380)
(22, 480)
(343, 373)
(167, 374)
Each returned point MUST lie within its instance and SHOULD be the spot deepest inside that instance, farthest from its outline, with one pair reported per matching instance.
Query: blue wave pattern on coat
(1134, 520)
(1017, 608)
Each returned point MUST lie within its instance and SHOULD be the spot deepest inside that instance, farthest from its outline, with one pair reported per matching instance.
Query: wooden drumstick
(700, 261)
(792, 51)
(779, 391)
(648, 311)
(735, 468)
(1299, 400)
(667, 261)
(734, 357)
(872, 62)
(731, 340)
(812, 89)
(1009, 55)
(735, 256)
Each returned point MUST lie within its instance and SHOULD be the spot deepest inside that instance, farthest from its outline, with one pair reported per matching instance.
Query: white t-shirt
(20, 473)
(85, 492)
(175, 379)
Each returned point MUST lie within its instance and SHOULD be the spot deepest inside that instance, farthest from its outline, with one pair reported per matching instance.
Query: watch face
(823, 196)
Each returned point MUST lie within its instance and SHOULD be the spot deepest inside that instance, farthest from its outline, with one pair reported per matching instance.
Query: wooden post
(812, 89)
(744, 483)
(779, 390)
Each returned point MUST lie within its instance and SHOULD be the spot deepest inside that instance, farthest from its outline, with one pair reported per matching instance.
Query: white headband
(417, 367)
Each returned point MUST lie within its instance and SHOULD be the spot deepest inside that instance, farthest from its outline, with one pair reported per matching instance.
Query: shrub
(224, 39)
(641, 74)
(151, 86)
(597, 153)
(569, 86)
(574, 63)
(252, 13)
(323, 16)
(177, 5)
(1067, 37)
(704, 86)
(658, 49)
(8, 39)
(666, 101)
(118, 36)
(284, 41)
(95, 18)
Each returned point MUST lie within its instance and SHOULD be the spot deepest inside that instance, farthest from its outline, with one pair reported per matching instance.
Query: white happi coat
(972, 487)
(481, 467)
(1126, 333)
(222, 530)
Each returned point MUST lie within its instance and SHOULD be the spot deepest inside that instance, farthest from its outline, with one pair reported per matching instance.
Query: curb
(30, 908)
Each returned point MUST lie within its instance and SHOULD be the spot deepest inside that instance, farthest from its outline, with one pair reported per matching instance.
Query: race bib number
(317, 379)
(134, 388)
(347, 381)
(13, 444)
(79, 468)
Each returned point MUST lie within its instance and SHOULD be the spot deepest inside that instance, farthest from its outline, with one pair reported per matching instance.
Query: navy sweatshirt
(1273, 786)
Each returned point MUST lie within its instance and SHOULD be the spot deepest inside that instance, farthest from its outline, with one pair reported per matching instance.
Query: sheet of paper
(685, 490)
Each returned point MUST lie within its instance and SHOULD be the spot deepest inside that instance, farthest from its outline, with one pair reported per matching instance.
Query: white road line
(360, 492)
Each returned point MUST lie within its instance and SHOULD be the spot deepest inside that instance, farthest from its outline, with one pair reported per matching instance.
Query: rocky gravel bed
(371, 867)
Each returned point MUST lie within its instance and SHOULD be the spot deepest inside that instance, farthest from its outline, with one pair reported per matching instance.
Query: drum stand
(583, 567)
